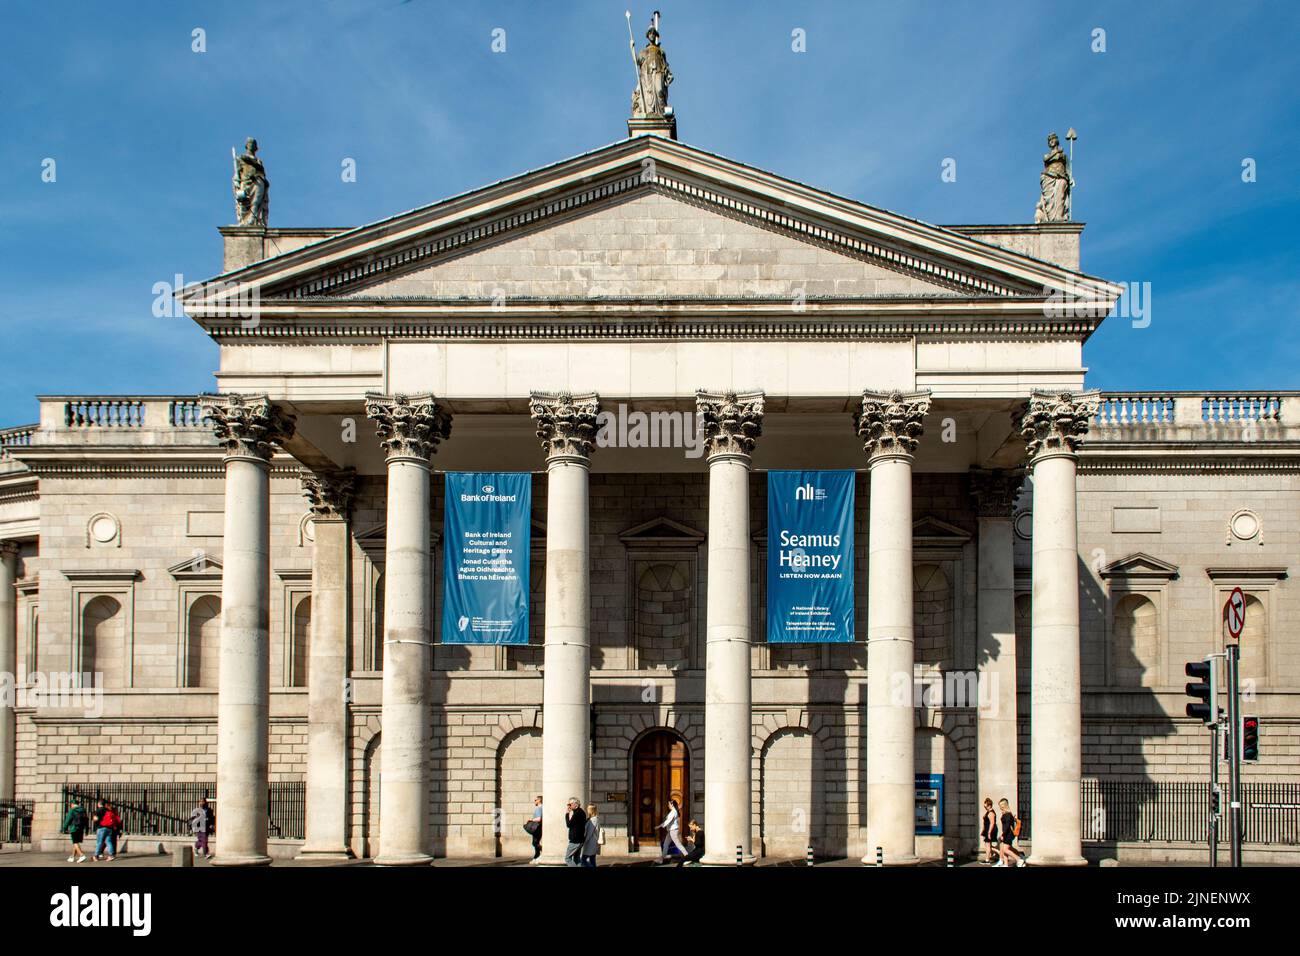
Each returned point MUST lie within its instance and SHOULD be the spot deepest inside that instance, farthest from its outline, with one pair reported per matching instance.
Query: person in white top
(672, 831)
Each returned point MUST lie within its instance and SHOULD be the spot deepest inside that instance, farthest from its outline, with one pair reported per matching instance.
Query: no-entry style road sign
(1236, 613)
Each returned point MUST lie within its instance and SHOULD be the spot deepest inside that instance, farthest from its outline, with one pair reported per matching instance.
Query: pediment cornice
(346, 263)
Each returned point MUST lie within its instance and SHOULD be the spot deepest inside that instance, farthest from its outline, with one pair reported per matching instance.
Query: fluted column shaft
(732, 423)
(330, 499)
(890, 426)
(1053, 426)
(249, 427)
(566, 427)
(409, 429)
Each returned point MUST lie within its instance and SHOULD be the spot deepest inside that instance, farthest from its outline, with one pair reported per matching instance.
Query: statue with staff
(1056, 184)
(650, 98)
(250, 186)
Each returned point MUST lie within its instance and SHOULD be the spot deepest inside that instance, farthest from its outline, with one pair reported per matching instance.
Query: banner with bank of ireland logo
(809, 557)
(487, 534)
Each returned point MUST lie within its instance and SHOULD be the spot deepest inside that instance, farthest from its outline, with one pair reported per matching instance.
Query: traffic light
(1205, 691)
(1250, 738)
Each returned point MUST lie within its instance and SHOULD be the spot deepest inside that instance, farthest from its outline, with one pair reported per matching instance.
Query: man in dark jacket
(576, 819)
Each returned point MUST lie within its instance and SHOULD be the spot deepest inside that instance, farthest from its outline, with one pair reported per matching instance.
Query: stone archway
(793, 784)
(661, 770)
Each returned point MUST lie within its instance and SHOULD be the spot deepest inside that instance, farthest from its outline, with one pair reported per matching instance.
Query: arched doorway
(661, 770)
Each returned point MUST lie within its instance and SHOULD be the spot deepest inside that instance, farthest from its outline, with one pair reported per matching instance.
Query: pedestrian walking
(595, 837)
(576, 820)
(695, 837)
(107, 827)
(203, 823)
(534, 828)
(1010, 830)
(75, 823)
(989, 832)
(672, 832)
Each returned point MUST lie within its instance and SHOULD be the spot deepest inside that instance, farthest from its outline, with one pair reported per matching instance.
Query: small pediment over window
(1140, 566)
(933, 532)
(197, 567)
(662, 531)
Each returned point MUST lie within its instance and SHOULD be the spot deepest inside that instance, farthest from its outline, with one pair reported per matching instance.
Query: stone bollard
(880, 856)
(740, 855)
(948, 855)
(183, 856)
(810, 854)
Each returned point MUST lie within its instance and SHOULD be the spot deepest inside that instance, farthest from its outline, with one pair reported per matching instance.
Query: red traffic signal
(1250, 738)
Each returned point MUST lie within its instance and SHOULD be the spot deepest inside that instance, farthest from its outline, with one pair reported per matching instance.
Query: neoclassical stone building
(255, 575)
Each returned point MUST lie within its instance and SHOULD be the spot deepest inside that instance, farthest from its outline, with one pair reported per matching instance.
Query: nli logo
(809, 492)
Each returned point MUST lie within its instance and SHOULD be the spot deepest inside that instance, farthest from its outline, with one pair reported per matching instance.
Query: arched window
(1253, 660)
(103, 641)
(1134, 658)
(663, 615)
(203, 650)
(301, 643)
(932, 615)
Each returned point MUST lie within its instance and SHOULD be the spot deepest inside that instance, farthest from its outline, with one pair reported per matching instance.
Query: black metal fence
(1176, 811)
(16, 821)
(163, 809)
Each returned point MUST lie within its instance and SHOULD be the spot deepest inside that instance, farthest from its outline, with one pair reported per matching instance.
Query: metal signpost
(1235, 618)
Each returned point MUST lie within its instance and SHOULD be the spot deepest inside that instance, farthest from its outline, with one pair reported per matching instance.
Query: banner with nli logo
(486, 540)
(809, 557)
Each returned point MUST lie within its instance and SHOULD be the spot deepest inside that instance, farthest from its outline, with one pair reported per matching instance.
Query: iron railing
(163, 809)
(1177, 811)
(16, 821)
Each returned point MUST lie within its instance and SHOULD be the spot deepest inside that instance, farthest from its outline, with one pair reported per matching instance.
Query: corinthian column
(995, 495)
(329, 497)
(566, 424)
(8, 665)
(731, 422)
(1053, 424)
(409, 429)
(249, 427)
(890, 425)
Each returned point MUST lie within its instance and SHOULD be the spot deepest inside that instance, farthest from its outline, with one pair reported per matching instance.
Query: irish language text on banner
(809, 557)
(486, 538)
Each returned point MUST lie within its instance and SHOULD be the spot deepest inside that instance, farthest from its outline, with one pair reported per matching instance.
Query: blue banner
(487, 538)
(810, 557)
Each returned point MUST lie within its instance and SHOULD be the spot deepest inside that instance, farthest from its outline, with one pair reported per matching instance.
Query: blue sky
(141, 127)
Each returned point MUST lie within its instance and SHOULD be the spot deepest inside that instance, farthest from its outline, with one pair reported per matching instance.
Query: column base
(233, 859)
(870, 860)
(747, 859)
(323, 855)
(404, 859)
(1035, 860)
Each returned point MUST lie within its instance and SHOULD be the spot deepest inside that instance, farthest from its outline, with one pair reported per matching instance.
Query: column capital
(995, 492)
(329, 494)
(889, 423)
(408, 426)
(1054, 423)
(566, 423)
(732, 421)
(249, 426)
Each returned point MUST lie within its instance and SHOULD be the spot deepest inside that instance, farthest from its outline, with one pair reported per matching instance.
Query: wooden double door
(660, 772)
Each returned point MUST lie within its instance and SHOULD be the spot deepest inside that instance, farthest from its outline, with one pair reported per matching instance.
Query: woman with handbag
(672, 832)
(595, 838)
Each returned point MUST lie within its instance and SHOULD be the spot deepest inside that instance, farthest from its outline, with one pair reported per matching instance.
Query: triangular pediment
(935, 532)
(645, 218)
(199, 567)
(1140, 565)
(662, 531)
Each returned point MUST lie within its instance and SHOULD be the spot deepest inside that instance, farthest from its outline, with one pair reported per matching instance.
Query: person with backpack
(107, 827)
(75, 823)
(989, 832)
(203, 820)
(1010, 831)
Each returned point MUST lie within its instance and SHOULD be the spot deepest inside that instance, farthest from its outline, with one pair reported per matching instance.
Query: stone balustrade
(15, 437)
(1138, 412)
